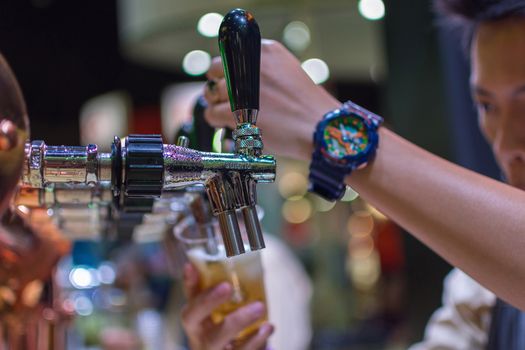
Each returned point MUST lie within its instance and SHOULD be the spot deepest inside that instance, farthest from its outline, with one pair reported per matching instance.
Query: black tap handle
(240, 46)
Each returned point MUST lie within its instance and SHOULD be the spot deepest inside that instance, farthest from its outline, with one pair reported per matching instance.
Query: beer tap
(240, 47)
(141, 167)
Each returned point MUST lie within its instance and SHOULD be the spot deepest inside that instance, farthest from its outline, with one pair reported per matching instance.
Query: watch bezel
(349, 162)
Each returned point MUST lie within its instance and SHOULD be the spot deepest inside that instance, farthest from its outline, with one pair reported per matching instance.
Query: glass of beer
(244, 272)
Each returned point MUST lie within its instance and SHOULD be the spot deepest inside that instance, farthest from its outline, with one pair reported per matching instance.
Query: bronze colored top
(14, 131)
(12, 105)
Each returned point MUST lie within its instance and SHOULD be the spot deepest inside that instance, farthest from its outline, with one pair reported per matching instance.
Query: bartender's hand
(202, 333)
(290, 103)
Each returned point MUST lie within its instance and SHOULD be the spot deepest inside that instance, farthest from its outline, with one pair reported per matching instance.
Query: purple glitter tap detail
(181, 156)
(181, 165)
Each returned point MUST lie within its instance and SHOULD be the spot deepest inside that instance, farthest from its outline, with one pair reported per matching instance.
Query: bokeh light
(83, 306)
(80, 277)
(360, 223)
(360, 247)
(217, 140)
(349, 195)
(364, 273)
(106, 273)
(209, 24)
(293, 184)
(297, 211)
(296, 36)
(371, 9)
(316, 69)
(196, 62)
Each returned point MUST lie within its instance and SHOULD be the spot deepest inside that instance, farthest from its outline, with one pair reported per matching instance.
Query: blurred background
(92, 69)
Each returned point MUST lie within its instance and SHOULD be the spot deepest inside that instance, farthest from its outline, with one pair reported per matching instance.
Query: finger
(259, 339)
(200, 308)
(236, 322)
(215, 91)
(191, 281)
(219, 115)
(216, 71)
(211, 95)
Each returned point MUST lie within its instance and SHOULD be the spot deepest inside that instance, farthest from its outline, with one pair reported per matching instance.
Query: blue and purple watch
(344, 140)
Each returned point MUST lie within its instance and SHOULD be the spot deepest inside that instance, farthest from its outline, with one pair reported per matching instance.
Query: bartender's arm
(452, 210)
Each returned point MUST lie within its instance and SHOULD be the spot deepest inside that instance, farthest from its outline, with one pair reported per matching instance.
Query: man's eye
(485, 107)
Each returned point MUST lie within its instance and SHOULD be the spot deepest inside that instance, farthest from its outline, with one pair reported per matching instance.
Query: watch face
(345, 136)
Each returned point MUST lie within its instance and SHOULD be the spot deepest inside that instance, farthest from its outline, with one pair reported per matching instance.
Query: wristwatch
(344, 140)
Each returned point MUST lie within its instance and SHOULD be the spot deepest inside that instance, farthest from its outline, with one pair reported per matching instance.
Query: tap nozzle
(246, 198)
(253, 227)
(220, 192)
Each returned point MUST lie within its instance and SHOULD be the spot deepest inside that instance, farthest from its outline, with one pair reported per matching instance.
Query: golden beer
(244, 272)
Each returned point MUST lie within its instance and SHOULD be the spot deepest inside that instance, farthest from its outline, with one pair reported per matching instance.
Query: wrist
(313, 115)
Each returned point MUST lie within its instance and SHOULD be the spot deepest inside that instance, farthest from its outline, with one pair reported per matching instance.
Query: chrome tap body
(140, 167)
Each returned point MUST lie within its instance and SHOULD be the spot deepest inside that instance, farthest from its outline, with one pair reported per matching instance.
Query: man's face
(498, 88)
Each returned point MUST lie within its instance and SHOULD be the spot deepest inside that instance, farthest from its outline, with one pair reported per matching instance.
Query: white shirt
(463, 321)
(288, 293)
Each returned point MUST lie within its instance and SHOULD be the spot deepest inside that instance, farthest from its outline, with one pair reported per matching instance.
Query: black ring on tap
(144, 166)
(116, 169)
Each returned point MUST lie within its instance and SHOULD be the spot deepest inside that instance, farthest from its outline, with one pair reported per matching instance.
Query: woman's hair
(466, 15)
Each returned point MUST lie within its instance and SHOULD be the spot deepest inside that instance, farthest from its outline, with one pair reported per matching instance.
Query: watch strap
(326, 179)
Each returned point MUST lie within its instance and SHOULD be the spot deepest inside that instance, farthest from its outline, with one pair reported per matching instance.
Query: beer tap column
(240, 47)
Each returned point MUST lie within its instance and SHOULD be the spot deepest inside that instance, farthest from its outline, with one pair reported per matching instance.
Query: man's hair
(466, 15)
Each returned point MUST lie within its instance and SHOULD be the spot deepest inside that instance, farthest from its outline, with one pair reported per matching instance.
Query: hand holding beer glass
(226, 298)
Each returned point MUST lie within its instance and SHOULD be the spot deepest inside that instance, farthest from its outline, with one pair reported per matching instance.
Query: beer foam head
(249, 262)
(200, 254)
